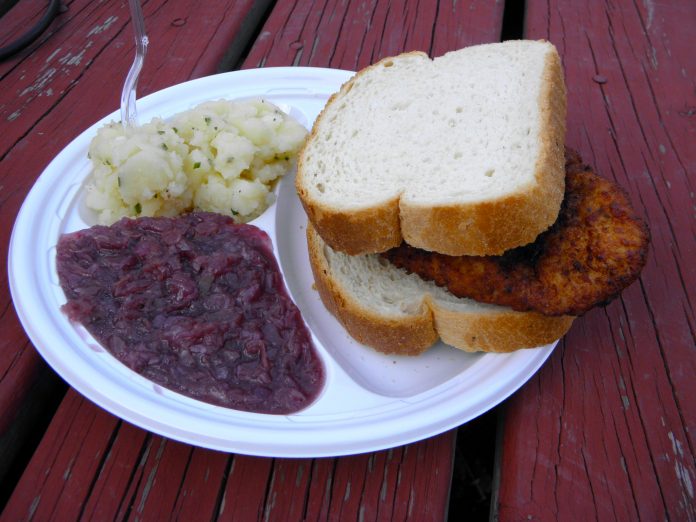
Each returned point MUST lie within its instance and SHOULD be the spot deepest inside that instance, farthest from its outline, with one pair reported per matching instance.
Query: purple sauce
(196, 304)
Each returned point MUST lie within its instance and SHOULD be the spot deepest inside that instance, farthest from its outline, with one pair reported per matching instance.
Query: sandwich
(442, 203)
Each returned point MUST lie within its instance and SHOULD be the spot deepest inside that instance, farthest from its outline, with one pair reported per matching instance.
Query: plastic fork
(129, 113)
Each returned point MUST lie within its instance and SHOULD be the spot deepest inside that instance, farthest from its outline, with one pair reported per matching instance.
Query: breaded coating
(595, 249)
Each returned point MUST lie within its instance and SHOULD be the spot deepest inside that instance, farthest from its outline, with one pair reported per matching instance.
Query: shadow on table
(470, 498)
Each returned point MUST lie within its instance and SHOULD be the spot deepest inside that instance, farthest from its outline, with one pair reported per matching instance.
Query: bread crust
(481, 228)
(370, 230)
(392, 335)
(492, 227)
(502, 332)
(359, 231)
(496, 330)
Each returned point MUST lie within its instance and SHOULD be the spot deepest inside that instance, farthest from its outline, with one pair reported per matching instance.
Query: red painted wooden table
(604, 431)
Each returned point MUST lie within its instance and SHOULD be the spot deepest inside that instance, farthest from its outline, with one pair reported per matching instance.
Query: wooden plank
(124, 449)
(24, 424)
(245, 492)
(352, 35)
(19, 20)
(64, 82)
(201, 486)
(92, 465)
(63, 466)
(607, 429)
(288, 487)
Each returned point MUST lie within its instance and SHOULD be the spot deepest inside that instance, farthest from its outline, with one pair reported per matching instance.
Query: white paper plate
(370, 401)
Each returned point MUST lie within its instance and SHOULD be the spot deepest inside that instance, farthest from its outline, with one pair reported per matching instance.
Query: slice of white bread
(395, 312)
(462, 154)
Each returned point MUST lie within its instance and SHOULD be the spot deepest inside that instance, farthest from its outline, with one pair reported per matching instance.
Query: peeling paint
(653, 58)
(650, 8)
(270, 505)
(676, 445)
(683, 473)
(685, 478)
(47, 73)
(70, 59)
(103, 27)
(53, 55)
(383, 489)
(14, 115)
(68, 469)
(41, 82)
(625, 401)
(34, 505)
(222, 505)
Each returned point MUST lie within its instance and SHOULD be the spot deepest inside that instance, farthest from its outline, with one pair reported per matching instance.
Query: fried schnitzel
(595, 249)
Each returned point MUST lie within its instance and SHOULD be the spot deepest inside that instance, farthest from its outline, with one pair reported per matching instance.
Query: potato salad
(221, 156)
